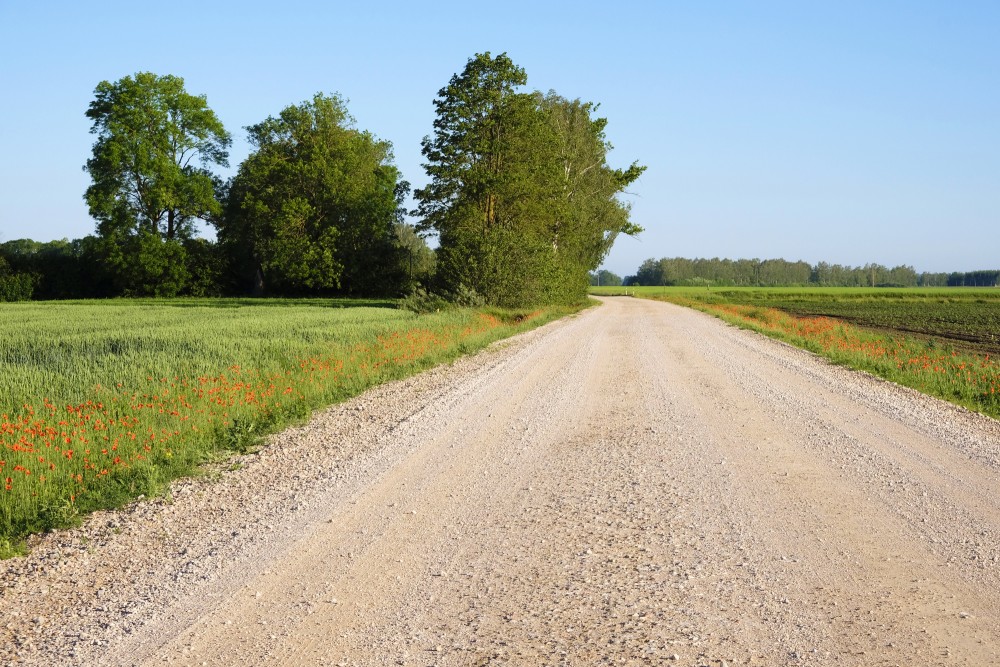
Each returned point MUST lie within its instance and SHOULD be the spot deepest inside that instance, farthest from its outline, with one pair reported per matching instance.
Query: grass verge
(969, 380)
(101, 402)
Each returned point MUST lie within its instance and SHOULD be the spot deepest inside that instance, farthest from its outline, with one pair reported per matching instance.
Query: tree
(418, 257)
(151, 179)
(650, 273)
(586, 215)
(473, 167)
(520, 195)
(605, 278)
(15, 286)
(54, 265)
(312, 209)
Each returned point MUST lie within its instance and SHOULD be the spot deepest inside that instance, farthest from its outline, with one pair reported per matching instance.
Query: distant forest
(74, 270)
(782, 273)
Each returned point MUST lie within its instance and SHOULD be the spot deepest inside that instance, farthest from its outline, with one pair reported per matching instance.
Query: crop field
(944, 341)
(103, 401)
(967, 318)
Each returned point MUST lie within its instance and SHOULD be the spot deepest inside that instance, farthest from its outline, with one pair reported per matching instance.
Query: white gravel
(639, 484)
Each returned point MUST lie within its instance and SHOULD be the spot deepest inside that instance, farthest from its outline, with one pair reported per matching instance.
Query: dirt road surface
(638, 484)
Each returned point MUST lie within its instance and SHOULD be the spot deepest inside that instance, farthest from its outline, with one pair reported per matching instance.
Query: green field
(966, 318)
(103, 401)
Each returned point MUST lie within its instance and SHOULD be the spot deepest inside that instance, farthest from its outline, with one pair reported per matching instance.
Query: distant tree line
(520, 198)
(605, 278)
(780, 272)
(959, 279)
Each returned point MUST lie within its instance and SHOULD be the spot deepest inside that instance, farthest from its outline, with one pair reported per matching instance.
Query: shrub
(17, 287)
(421, 301)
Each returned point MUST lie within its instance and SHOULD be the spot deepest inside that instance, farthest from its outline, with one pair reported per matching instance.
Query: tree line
(780, 272)
(520, 198)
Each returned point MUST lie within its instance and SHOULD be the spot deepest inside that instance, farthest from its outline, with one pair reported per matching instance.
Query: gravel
(638, 484)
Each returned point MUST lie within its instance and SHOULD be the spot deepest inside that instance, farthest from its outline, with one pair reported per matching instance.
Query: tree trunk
(258, 282)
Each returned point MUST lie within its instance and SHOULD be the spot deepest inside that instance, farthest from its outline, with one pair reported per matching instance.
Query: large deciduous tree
(476, 161)
(312, 209)
(520, 192)
(584, 213)
(151, 176)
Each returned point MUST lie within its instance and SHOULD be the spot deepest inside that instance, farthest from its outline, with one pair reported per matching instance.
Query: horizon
(812, 265)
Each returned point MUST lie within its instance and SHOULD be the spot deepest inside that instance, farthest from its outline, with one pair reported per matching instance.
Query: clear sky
(850, 131)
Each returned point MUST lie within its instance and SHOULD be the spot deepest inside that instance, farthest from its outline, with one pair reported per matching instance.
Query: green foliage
(103, 401)
(312, 209)
(588, 216)
(466, 297)
(14, 286)
(605, 278)
(967, 319)
(204, 263)
(988, 278)
(679, 271)
(520, 194)
(419, 259)
(892, 339)
(141, 265)
(157, 267)
(421, 301)
(154, 142)
(17, 287)
(473, 165)
(12, 548)
(56, 266)
(151, 179)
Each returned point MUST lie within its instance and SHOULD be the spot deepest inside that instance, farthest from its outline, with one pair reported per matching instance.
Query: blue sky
(849, 132)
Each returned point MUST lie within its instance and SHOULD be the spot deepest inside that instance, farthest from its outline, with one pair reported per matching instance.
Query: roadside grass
(101, 402)
(929, 365)
(966, 318)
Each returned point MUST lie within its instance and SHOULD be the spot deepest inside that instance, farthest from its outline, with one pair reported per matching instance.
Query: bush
(17, 287)
(421, 301)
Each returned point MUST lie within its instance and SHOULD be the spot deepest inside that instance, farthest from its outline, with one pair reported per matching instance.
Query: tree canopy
(520, 194)
(155, 142)
(779, 272)
(312, 208)
(520, 197)
(605, 278)
(151, 178)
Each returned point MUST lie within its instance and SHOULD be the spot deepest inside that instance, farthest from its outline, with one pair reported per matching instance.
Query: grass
(939, 341)
(967, 318)
(101, 402)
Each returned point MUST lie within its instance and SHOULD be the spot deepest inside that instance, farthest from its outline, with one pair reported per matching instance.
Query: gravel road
(638, 484)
